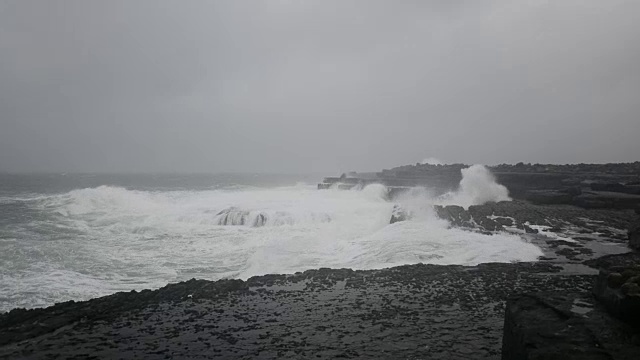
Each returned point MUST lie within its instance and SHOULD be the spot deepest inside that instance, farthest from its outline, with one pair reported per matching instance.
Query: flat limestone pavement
(412, 312)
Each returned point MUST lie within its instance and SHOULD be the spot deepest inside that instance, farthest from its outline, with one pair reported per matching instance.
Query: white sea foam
(117, 239)
(477, 186)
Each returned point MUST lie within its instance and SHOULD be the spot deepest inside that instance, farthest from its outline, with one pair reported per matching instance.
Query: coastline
(411, 311)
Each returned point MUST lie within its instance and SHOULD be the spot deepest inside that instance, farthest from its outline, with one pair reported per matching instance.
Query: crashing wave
(235, 216)
(477, 187)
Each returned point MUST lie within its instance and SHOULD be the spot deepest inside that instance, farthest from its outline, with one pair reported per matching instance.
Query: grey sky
(305, 86)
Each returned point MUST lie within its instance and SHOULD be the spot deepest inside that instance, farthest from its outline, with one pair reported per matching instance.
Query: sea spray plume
(375, 192)
(477, 187)
(417, 203)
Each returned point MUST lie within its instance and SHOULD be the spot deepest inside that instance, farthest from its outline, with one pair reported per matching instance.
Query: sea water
(79, 236)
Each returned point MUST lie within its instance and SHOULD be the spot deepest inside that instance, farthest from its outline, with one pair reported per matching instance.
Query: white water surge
(108, 239)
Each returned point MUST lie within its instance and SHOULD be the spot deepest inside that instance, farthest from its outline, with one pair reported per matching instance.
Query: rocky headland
(579, 301)
(608, 186)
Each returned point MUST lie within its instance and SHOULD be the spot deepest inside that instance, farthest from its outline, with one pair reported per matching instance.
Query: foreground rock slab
(412, 312)
(603, 324)
(565, 325)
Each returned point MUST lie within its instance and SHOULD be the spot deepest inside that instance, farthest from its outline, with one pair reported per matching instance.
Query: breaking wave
(477, 186)
(99, 240)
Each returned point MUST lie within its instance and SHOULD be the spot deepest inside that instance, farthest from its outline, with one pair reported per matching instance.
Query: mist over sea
(79, 236)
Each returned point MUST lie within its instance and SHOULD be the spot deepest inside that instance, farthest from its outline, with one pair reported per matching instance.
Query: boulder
(398, 214)
(488, 224)
(477, 216)
(235, 216)
(504, 221)
(232, 216)
(455, 215)
(483, 216)
(564, 325)
(618, 289)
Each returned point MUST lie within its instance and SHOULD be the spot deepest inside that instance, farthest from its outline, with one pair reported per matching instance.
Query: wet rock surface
(565, 233)
(399, 214)
(618, 289)
(603, 324)
(416, 311)
(235, 216)
(565, 325)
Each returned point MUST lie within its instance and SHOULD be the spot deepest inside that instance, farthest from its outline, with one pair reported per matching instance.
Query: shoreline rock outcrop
(603, 324)
(411, 311)
(567, 325)
(615, 186)
(618, 289)
(398, 213)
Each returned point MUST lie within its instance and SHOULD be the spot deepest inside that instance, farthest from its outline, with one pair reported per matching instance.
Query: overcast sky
(315, 86)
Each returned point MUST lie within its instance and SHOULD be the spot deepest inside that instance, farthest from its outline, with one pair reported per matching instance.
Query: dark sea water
(78, 236)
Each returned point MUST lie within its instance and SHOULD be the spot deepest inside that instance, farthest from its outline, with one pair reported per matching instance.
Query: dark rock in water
(574, 253)
(587, 227)
(477, 216)
(634, 235)
(488, 224)
(235, 216)
(232, 216)
(260, 220)
(483, 216)
(484, 210)
(456, 215)
(398, 214)
(504, 221)
(525, 213)
(564, 325)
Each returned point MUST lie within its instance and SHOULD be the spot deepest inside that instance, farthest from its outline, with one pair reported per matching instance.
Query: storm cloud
(315, 86)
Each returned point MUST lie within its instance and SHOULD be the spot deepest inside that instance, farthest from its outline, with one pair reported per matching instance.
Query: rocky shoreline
(575, 303)
(605, 186)
(416, 311)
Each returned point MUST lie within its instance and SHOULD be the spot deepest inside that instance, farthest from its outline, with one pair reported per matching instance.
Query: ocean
(79, 236)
